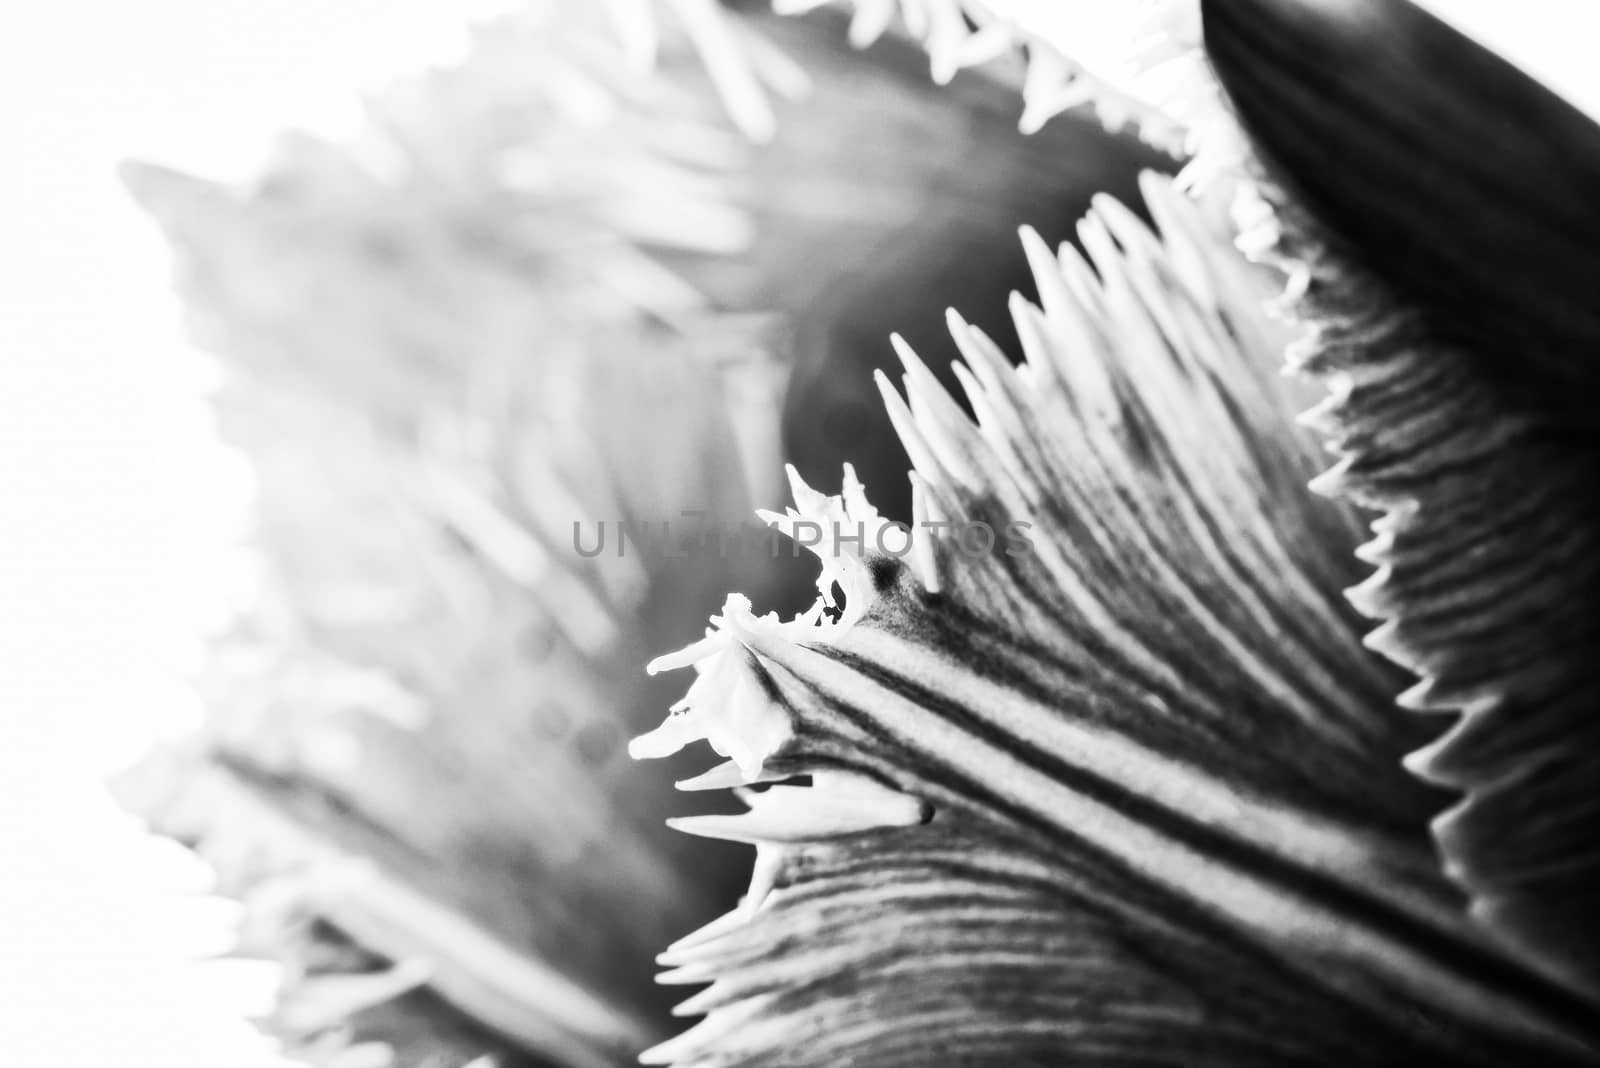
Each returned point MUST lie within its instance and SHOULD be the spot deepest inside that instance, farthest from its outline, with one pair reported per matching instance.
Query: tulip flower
(1170, 709)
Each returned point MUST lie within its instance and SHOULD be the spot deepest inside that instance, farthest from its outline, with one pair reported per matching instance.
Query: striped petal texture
(1126, 787)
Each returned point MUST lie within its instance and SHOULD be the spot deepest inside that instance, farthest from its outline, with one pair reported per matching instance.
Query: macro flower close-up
(895, 533)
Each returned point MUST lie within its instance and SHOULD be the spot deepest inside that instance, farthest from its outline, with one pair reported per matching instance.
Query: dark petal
(1464, 185)
(1440, 208)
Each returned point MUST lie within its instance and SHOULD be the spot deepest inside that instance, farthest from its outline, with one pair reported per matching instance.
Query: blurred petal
(1122, 60)
(542, 294)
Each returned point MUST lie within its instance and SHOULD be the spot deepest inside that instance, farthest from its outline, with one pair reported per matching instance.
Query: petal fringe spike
(1098, 765)
(1137, 64)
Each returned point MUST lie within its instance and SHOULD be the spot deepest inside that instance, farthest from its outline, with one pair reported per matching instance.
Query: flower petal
(1135, 786)
(1438, 206)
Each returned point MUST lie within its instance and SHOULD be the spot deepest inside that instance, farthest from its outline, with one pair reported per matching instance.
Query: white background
(118, 509)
